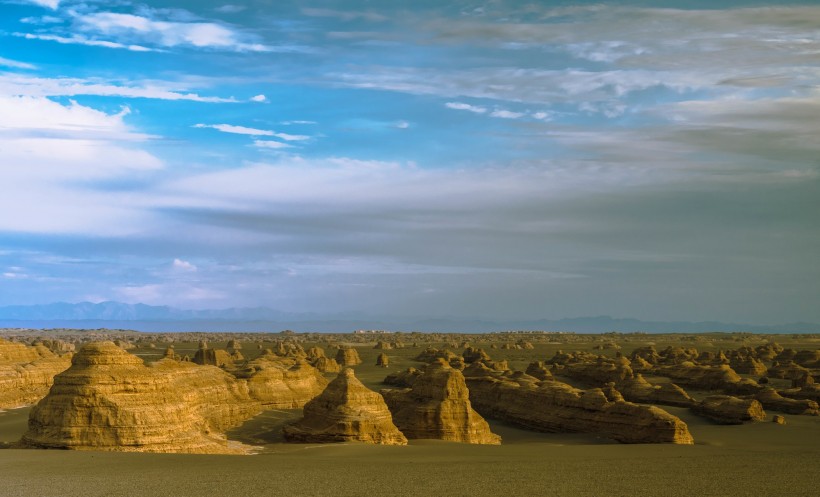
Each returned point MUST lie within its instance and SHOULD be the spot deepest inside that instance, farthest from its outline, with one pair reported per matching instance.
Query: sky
(499, 159)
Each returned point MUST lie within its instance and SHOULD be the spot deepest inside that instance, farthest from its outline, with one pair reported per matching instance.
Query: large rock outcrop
(346, 411)
(772, 400)
(552, 406)
(109, 400)
(26, 373)
(278, 385)
(437, 406)
(638, 389)
(348, 356)
(728, 410)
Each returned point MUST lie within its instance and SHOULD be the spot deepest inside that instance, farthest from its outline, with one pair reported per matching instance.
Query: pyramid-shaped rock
(437, 406)
(346, 411)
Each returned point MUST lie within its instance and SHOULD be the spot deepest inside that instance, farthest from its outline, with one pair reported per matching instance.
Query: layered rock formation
(725, 409)
(437, 406)
(211, 357)
(346, 411)
(552, 406)
(26, 373)
(279, 386)
(109, 400)
(348, 356)
(638, 389)
(772, 400)
(383, 360)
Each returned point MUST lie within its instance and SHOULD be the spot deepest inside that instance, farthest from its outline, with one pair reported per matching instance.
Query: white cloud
(402, 124)
(82, 40)
(270, 144)
(462, 106)
(506, 114)
(16, 64)
(51, 4)
(171, 34)
(183, 266)
(230, 9)
(289, 137)
(237, 130)
(11, 84)
(49, 151)
(259, 98)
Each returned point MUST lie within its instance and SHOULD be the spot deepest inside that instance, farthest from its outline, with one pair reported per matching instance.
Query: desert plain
(756, 457)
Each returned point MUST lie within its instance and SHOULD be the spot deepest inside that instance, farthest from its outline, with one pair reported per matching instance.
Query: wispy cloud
(11, 84)
(243, 130)
(4, 62)
(271, 145)
(468, 107)
(169, 34)
(82, 40)
(344, 15)
(51, 4)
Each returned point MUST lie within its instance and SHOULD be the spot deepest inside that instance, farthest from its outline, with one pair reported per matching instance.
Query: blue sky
(495, 159)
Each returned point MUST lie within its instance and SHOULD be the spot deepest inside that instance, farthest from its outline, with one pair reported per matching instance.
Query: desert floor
(759, 459)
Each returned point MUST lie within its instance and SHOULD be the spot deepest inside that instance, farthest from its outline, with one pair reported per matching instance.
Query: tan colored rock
(280, 387)
(778, 419)
(382, 360)
(771, 400)
(346, 411)
(552, 406)
(348, 356)
(539, 370)
(206, 356)
(26, 373)
(109, 400)
(701, 377)
(437, 406)
(725, 409)
(638, 389)
(327, 365)
(315, 353)
(382, 345)
(404, 378)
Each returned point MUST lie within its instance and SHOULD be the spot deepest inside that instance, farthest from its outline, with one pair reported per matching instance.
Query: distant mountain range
(144, 317)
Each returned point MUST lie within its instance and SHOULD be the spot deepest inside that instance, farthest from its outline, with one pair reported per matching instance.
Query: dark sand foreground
(760, 459)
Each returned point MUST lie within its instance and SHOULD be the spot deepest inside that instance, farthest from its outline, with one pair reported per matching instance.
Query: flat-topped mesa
(725, 409)
(212, 357)
(109, 400)
(27, 372)
(346, 411)
(437, 406)
(552, 406)
(278, 386)
(348, 356)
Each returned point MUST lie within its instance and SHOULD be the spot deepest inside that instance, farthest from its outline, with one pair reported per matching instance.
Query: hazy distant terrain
(142, 317)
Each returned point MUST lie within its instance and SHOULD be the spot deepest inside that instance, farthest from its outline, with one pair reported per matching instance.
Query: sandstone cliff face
(281, 387)
(725, 409)
(437, 406)
(552, 406)
(346, 411)
(26, 373)
(109, 400)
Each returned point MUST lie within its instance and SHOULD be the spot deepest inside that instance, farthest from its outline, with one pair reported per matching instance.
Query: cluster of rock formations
(110, 400)
(27, 372)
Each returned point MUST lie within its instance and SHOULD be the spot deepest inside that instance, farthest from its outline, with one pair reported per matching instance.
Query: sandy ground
(760, 459)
